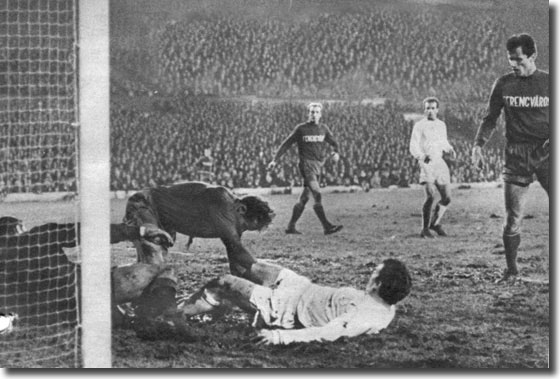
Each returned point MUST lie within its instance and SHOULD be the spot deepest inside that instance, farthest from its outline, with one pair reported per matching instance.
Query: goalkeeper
(34, 271)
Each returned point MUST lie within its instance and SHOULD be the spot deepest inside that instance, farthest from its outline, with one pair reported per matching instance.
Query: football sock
(511, 244)
(320, 212)
(426, 209)
(296, 214)
(438, 214)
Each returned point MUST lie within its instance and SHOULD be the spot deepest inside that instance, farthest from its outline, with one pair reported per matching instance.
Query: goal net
(38, 180)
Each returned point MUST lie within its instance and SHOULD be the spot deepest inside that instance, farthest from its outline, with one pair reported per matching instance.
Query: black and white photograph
(283, 184)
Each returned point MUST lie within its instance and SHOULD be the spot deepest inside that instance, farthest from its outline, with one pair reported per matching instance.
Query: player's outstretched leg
(218, 293)
(327, 226)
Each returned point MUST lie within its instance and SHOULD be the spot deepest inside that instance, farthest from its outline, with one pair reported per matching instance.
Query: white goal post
(94, 182)
(54, 150)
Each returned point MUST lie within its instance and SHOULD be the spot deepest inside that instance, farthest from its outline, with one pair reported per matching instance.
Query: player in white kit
(290, 308)
(428, 142)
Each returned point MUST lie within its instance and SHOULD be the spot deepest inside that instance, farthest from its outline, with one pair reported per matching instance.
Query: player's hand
(477, 159)
(427, 159)
(156, 235)
(271, 165)
(335, 157)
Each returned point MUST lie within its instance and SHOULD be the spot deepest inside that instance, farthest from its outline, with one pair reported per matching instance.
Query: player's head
(315, 110)
(256, 212)
(522, 53)
(11, 226)
(391, 281)
(431, 107)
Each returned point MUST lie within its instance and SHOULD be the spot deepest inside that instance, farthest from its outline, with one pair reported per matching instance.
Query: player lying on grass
(303, 311)
(37, 280)
(198, 209)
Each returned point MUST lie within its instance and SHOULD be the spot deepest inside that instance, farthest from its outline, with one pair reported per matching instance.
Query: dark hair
(258, 210)
(525, 41)
(395, 281)
(8, 226)
(431, 99)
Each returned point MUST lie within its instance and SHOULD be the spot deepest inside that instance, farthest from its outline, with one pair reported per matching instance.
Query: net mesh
(38, 161)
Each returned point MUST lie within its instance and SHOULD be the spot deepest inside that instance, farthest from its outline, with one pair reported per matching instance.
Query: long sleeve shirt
(525, 101)
(328, 313)
(429, 138)
(311, 140)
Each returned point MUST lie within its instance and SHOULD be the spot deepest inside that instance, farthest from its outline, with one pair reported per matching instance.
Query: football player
(38, 281)
(524, 97)
(428, 142)
(302, 311)
(198, 209)
(311, 138)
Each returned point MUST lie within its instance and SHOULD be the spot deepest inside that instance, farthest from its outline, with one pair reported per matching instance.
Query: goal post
(54, 173)
(94, 182)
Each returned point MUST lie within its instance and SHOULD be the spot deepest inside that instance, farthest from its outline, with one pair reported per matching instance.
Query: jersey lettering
(527, 101)
(319, 138)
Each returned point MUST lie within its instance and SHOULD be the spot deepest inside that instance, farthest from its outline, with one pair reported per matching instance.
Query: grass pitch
(455, 317)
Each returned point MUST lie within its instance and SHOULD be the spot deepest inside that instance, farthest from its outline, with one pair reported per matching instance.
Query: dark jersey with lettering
(525, 101)
(311, 139)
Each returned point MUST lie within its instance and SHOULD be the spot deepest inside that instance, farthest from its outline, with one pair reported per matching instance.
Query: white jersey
(326, 313)
(429, 138)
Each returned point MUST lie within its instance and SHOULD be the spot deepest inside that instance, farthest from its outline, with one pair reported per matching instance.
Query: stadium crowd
(382, 53)
(414, 54)
(398, 55)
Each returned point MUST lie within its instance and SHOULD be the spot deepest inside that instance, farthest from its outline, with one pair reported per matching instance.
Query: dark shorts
(310, 171)
(523, 160)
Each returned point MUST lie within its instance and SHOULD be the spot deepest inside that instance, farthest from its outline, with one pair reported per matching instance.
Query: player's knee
(302, 201)
(317, 197)
(428, 201)
(512, 225)
(445, 201)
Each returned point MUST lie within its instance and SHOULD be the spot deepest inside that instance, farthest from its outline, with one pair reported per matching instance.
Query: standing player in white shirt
(428, 142)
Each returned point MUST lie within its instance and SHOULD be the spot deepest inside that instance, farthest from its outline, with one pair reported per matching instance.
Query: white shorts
(277, 305)
(434, 172)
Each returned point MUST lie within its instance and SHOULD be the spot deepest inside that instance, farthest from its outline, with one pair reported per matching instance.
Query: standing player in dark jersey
(311, 138)
(524, 96)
